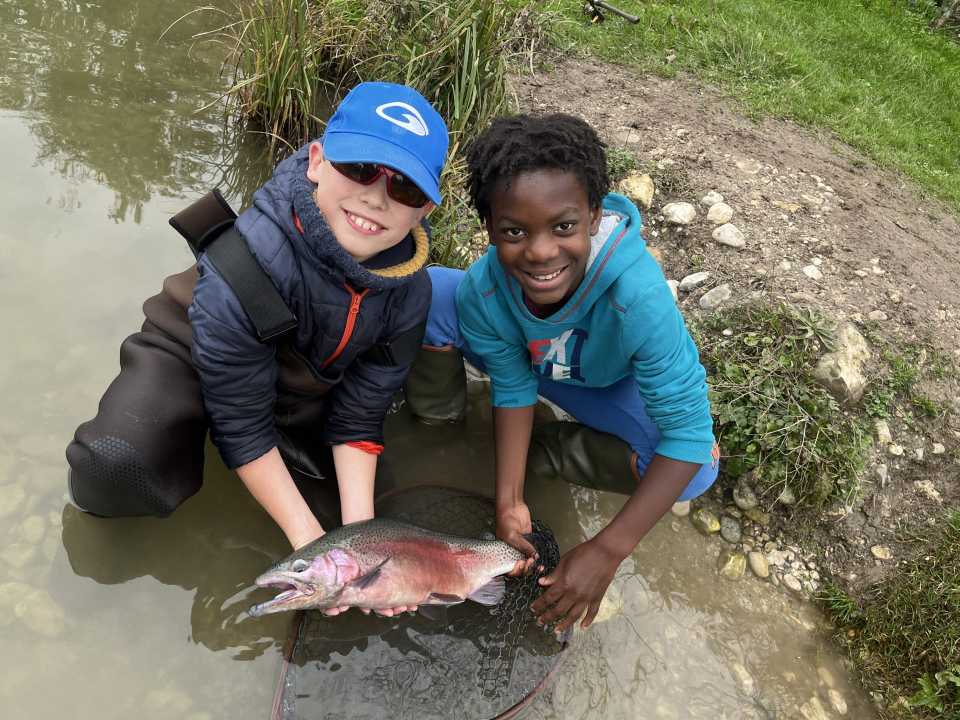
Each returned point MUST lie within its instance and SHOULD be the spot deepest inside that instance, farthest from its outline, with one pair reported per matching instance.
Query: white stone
(10, 594)
(812, 272)
(793, 583)
(679, 213)
(640, 188)
(837, 702)
(877, 315)
(18, 554)
(11, 498)
(711, 198)
(674, 289)
(881, 552)
(826, 676)
(39, 612)
(938, 449)
(895, 449)
(693, 281)
(714, 298)
(927, 488)
(813, 709)
(720, 213)
(842, 370)
(681, 509)
(730, 235)
(785, 265)
(33, 529)
(883, 432)
(744, 679)
(758, 564)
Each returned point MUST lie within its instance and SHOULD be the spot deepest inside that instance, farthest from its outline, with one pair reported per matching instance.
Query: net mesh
(472, 662)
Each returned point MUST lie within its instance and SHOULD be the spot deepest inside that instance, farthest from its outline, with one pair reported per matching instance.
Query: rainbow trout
(383, 563)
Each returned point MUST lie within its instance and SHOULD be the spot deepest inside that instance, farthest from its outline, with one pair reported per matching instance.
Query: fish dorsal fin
(368, 579)
(491, 593)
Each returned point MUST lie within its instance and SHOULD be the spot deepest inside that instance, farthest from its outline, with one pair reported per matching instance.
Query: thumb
(525, 546)
(548, 580)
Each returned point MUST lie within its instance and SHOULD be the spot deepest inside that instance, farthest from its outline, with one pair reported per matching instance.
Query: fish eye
(299, 565)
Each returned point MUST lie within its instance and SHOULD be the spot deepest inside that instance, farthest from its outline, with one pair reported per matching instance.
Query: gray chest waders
(143, 453)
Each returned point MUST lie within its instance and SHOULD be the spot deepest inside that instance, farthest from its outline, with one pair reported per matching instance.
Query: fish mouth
(294, 593)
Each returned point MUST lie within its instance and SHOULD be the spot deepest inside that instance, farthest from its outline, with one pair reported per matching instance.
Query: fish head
(307, 581)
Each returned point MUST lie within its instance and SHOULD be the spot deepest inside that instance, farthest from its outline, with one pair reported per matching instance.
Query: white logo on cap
(412, 120)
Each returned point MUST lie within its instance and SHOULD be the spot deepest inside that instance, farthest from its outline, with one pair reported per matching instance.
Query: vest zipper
(355, 300)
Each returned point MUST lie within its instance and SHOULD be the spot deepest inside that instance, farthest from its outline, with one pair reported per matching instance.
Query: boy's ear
(596, 214)
(425, 210)
(315, 160)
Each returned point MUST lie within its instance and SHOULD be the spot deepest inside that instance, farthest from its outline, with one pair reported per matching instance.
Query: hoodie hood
(616, 246)
(290, 191)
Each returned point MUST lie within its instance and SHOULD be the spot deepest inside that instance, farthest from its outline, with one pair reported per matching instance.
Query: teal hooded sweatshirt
(622, 320)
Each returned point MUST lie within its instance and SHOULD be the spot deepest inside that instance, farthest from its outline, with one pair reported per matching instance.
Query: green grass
(870, 72)
(893, 389)
(772, 419)
(904, 636)
(292, 60)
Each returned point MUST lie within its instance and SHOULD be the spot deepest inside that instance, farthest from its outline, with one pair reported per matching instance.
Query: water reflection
(108, 100)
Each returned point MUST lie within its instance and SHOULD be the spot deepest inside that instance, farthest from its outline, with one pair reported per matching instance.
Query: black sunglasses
(399, 186)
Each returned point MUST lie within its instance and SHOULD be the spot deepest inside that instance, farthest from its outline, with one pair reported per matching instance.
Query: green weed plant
(771, 417)
(292, 60)
(872, 73)
(904, 635)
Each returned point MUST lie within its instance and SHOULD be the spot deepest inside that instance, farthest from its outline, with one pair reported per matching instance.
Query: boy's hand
(576, 586)
(513, 522)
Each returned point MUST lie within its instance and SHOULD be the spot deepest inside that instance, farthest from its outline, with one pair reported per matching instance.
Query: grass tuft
(772, 418)
(906, 637)
(294, 59)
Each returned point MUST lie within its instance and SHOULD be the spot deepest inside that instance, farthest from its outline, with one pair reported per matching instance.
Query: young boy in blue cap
(568, 304)
(339, 232)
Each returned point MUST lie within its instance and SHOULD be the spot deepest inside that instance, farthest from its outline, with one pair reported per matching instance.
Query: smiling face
(363, 218)
(541, 226)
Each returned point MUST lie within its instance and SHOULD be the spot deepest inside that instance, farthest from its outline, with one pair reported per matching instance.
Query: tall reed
(294, 59)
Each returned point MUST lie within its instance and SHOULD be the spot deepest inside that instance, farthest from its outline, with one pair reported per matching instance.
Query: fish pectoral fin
(491, 593)
(441, 599)
(369, 578)
(435, 613)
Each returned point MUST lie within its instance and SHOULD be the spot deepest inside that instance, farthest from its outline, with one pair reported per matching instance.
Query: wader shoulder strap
(258, 295)
(207, 226)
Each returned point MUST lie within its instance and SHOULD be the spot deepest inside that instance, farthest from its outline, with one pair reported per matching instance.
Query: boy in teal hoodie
(568, 304)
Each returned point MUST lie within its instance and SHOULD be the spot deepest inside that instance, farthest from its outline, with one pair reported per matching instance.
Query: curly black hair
(525, 143)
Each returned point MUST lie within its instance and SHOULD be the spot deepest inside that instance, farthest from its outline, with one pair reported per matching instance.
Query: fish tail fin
(491, 593)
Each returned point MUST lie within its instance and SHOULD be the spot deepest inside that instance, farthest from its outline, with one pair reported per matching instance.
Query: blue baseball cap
(391, 125)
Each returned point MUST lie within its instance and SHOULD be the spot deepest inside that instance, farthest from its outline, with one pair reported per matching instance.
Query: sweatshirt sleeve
(238, 373)
(500, 346)
(670, 378)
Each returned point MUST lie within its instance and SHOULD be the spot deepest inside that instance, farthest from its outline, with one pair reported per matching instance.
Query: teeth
(365, 224)
(544, 278)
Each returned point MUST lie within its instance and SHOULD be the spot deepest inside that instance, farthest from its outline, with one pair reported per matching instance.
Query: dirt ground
(801, 199)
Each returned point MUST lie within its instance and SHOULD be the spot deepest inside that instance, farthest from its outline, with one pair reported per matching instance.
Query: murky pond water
(103, 141)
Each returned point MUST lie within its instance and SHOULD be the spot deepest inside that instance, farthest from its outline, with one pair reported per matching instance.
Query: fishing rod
(594, 9)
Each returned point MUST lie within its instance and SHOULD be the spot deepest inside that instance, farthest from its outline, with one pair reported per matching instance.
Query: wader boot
(436, 388)
(582, 456)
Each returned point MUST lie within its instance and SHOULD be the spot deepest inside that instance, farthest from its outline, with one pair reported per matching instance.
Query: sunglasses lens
(399, 187)
(403, 190)
(363, 173)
